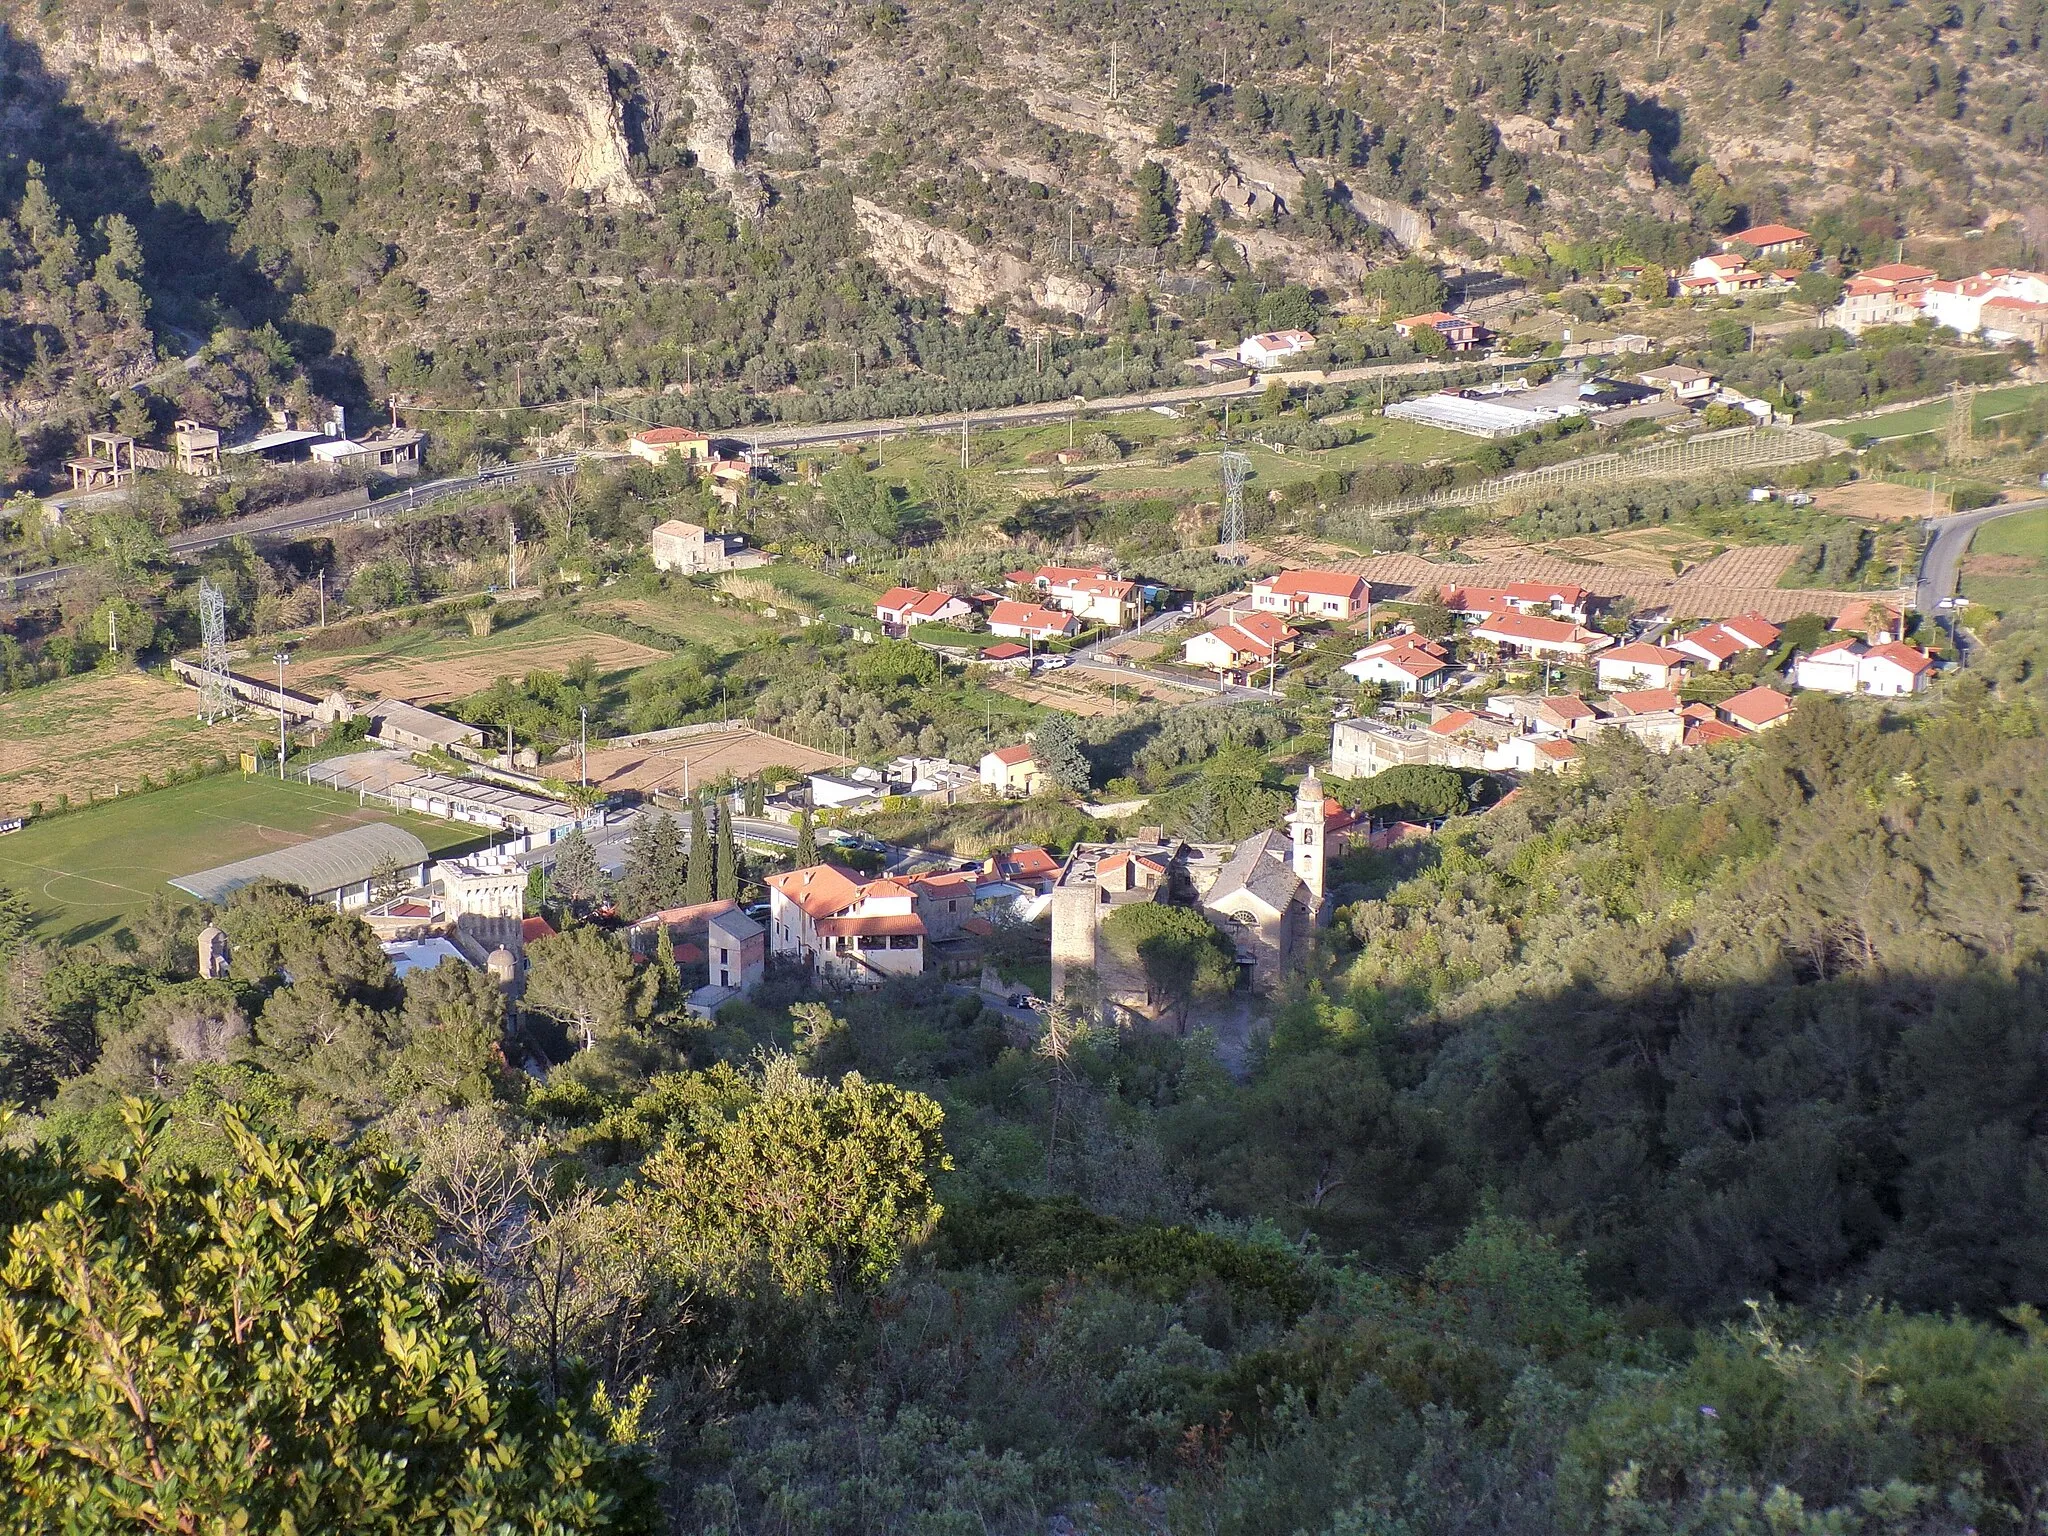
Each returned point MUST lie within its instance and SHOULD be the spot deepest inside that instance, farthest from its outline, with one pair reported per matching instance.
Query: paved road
(1942, 562)
(288, 522)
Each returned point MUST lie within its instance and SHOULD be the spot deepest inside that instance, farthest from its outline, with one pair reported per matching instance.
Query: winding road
(1941, 564)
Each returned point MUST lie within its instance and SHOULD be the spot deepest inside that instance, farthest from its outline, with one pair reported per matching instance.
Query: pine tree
(806, 841)
(728, 885)
(697, 886)
(1056, 748)
(577, 874)
(655, 873)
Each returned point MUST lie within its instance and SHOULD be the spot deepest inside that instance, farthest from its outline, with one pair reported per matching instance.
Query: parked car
(1054, 663)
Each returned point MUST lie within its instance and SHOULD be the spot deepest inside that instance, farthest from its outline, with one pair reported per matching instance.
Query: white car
(1054, 663)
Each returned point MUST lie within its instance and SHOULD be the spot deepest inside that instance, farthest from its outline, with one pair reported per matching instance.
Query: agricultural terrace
(92, 735)
(87, 873)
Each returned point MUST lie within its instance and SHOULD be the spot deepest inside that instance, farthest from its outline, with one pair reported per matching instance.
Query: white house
(861, 934)
(1683, 384)
(1775, 240)
(657, 445)
(1408, 662)
(1960, 302)
(901, 607)
(1890, 670)
(1093, 596)
(1640, 665)
(1312, 594)
(1018, 620)
(1270, 348)
(1553, 639)
(1716, 645)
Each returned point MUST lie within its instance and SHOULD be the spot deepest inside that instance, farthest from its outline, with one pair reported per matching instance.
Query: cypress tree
(806, 842)
(697, 888)
(728, 879)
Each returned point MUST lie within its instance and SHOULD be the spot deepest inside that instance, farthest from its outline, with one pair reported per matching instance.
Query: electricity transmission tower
(1230, 536)
(1962, 437)
(214, 699)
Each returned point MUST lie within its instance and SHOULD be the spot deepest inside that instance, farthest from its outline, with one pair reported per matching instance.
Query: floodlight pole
(282, 659)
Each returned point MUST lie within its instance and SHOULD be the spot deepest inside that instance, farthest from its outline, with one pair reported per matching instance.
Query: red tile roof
(820, 889)
(1769, 234)
(661, 436)
(1453, 723)
(1757, 707)
(1906, 656)
(1855, 618)
(1646, 701)
(1704, 733)
(1006, 651)
(1010, 757)
(1569, 706)
(1517, 628)
(1315, 584)
(1643, 653)
(879, 923)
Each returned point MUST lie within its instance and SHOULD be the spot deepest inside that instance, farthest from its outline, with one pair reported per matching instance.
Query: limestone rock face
(579, 137)
(968, 276)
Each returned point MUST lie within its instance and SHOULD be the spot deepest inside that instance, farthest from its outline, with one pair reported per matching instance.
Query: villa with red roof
(1517, 634)
(861, 933)
(1874, 621)
(1715, 645)
(1769, 239)
(1250, 640)
(1011, 772)
(1757, 709)
(900, 607)
(1022, 620)
(1889, 670)
(1407, 661)
(1312, 594)
(1640, 665)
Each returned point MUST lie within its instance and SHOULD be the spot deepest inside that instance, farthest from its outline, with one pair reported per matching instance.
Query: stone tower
(213, 953)
(1305, 825)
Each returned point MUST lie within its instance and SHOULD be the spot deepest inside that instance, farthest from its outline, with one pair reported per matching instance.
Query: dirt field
(1874, 500)
(1736, 581)
(86, 735)
(1076, 697)
(693, 760)
(439, 678)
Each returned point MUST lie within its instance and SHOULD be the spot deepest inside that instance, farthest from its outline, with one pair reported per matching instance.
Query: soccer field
(85, 873)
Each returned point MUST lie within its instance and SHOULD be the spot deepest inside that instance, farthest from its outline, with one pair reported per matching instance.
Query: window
(1245, 919)
(903, 941)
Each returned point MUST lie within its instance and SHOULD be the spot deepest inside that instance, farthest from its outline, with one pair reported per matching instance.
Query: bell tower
(1305, 829)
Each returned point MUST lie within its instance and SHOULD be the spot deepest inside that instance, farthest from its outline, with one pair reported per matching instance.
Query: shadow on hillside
(1804, 1136)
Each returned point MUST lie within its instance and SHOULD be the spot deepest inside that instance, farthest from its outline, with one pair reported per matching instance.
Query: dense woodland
(1658, 1150)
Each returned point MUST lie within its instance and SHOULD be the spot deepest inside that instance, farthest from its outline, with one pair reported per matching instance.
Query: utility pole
(323, 599)
(583, 741)
(282, 659)
(1112, 72)
(963, 439)
(511, 554)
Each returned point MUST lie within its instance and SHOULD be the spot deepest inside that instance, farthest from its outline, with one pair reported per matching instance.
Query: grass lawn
(2007, 565)
(85, 873)
(1933, 416)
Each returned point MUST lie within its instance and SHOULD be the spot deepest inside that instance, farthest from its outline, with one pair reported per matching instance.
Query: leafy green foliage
(187, 1351)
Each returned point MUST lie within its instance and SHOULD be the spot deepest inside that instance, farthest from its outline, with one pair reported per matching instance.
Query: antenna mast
(214, 699)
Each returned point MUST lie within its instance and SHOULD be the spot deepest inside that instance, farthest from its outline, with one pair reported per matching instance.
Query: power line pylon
(1962, 427)
(215, 701)
(1230, 536)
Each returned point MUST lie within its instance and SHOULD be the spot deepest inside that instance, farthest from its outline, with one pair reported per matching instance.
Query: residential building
(486, 885)
(1717, 645)
(1875, 621)
(2009, 318)
(945, 902)
(1459, 334)
(859, 934)
(662, 445)
(735, 956)
(1707, 733)
(900, 607)
(390, 451)
(1406, 662)
(855, 789)
(1756, 709)
(1030, 867)
(1565, 713)
(1242, 643)
(1029, 620)
(1538, 599)
(1683, 384)
(1011, 772)
(1269, 349)
(1006, 656)
(1364, 747)
(1889, 670)
(1640, 665)
(1883, 295)
(1645, 701)
(1961, 303)
(1264, 894)
(1770, 240)
(1313, 594)
(1550, 639)
(1095, 597)
(690, 550)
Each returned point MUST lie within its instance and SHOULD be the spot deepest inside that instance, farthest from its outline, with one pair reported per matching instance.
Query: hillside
(513, 201)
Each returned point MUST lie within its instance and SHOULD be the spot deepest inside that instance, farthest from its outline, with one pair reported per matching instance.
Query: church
(1266, 895)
